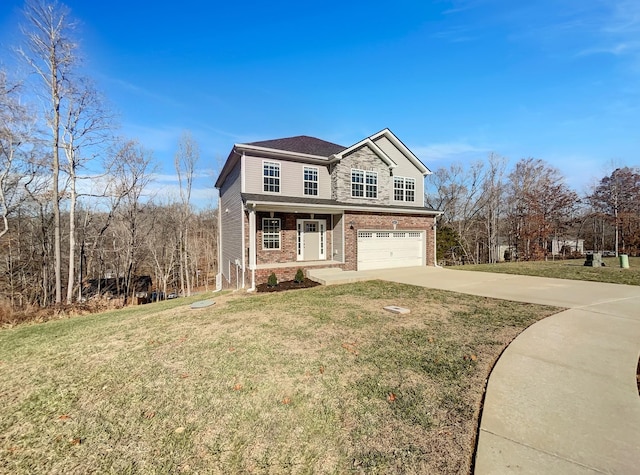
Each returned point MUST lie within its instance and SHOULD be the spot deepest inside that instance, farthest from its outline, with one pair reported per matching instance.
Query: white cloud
(618, 49)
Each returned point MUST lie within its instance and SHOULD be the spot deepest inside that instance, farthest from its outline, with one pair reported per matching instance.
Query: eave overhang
(263, 203)
(265, 152)
(368, 143)
(403, 149)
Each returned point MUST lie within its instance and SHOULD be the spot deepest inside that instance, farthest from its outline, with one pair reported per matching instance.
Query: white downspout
(242, 240)
(435, 243)
(220, 264)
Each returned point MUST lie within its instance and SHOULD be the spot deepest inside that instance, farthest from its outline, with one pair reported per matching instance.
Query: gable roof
(371, 143)
(302, 144)
(314, 150)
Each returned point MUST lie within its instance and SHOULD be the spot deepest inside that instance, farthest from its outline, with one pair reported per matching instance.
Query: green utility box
(624, 261)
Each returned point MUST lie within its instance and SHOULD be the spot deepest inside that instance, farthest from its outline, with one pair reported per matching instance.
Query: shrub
(299, 278)
(272, 281)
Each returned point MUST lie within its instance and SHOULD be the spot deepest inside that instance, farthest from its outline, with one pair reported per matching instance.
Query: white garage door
(387, 249)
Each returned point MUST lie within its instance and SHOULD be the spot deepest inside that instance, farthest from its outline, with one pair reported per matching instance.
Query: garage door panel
(388, 249)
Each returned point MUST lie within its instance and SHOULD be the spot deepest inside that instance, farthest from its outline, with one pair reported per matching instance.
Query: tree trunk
(72, 235)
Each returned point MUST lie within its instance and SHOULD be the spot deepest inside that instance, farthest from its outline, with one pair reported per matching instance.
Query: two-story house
(301, 202)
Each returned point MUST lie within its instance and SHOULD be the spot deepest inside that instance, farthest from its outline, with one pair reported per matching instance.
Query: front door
(311, 246)
(311, 240)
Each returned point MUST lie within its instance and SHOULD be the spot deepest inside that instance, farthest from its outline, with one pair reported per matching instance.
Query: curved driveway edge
(563, 397)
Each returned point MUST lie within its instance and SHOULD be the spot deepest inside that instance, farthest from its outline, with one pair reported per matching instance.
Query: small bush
(299, 278)
(272, 281)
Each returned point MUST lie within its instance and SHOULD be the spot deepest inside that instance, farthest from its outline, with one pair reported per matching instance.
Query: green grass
(567, 269)
(313, 381)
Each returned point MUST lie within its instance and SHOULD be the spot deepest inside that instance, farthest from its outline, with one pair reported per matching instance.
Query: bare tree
(541, 206)
(50, 51)
(16, 144)
(458, 191)
(493, 198)
(163, 243)
(85, 128)
(185, 162)
(616, 199)
(134, 169)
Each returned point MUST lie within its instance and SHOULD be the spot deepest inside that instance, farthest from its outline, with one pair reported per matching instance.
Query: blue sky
(557, 80)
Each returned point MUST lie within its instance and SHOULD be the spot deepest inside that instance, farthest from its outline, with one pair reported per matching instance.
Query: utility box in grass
(624, 261)
(594, 260)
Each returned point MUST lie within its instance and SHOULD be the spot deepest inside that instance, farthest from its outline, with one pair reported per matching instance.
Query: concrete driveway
(563, 396)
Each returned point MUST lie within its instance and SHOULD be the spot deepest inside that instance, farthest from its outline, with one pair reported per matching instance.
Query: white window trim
(404, 189)
(364, 184)
(279, 166)
(279, 235)
(351, 182)
(317, 182)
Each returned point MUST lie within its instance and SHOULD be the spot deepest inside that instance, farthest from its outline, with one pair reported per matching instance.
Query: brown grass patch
(293, 382)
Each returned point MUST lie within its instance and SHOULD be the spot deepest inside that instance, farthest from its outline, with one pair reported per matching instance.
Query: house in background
(302, 202)
(565, 246)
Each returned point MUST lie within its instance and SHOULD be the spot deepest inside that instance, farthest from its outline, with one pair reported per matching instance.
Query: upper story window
(404, 189)
(270, 233)
(364, 184)
(310, 181)
(271, 177)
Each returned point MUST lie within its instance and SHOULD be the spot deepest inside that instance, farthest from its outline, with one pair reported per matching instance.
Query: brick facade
(284, 273)
(384, 221)
(288, 241)
(288, 251)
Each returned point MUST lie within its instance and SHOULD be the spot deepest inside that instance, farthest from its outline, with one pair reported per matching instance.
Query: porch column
(435, 244)
(252, 248)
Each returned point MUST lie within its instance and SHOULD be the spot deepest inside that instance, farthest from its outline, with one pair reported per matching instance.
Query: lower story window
(270, 233)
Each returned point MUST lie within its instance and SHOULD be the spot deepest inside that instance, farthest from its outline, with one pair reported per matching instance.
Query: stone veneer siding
(362, 159)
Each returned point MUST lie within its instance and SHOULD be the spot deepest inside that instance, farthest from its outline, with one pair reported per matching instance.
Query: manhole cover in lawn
(202, 304)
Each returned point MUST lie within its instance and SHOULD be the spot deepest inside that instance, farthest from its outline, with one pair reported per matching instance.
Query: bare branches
(185, 162)
(49, 47)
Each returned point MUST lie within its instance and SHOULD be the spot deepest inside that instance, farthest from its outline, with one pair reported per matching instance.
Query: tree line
(75, 198)
(494, 212)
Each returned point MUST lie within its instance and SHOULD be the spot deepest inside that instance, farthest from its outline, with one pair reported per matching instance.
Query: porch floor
(281, 265)
(338, 276)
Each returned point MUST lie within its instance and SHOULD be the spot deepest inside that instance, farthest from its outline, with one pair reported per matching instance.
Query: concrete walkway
(562, 398)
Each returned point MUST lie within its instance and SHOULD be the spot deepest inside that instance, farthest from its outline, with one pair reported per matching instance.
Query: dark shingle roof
(302, 144)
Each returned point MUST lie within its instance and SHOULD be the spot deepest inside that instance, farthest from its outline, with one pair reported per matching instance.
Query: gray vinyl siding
(338, 238)
(291, 178)
(231, 221)
(404, 169)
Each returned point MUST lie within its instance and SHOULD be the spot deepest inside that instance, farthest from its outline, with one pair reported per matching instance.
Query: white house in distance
(301, 202)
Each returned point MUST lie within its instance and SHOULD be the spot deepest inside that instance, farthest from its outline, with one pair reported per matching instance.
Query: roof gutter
(293, 207)
(279, 153)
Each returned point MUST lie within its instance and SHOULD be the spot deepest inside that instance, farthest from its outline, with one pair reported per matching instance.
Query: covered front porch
(283, 239)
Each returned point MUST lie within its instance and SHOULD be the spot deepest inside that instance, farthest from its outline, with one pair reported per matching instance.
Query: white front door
(311, 239)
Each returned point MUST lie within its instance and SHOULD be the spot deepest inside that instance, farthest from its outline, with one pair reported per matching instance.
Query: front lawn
(573, 269)
(308, 381)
